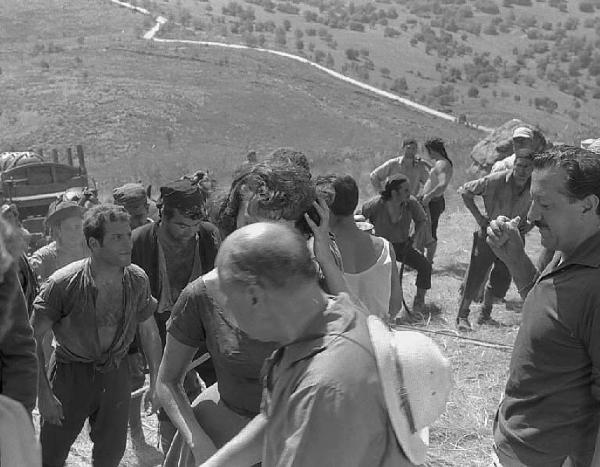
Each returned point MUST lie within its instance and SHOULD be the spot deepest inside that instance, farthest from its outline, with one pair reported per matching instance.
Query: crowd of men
(262, 315)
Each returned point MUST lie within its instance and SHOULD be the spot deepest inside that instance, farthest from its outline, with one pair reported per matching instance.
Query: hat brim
(64, 213)
(415, 444)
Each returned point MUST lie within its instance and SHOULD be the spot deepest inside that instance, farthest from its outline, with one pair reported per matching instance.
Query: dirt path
(151, 35)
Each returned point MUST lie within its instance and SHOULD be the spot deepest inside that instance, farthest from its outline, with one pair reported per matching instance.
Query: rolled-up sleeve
(147, 303)
(477, 187)
(48, 303)
(185, 323)
(314, 434)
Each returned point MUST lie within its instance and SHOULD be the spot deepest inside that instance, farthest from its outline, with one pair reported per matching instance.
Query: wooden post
(69, 156)
(81, 158)
(55, 156)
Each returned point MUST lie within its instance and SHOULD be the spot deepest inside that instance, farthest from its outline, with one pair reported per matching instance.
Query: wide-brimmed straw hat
(416, 380)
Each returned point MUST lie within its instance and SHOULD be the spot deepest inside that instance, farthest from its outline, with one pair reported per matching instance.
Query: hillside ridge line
(160, 20)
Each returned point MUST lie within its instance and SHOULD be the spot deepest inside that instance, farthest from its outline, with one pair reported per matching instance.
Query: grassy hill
(78, 73)
(533, 59)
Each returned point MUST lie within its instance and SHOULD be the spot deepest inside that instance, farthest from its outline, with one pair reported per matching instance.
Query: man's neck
(102, 270)
(584, 235)
(165, 235)
(343, 225)
(312, 302)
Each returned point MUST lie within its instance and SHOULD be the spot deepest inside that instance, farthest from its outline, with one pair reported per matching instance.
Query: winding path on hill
(160, 20)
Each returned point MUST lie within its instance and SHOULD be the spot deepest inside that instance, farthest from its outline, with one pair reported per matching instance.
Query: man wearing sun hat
(133, 197)
(339, 391)
(523, 146)
(173, 252)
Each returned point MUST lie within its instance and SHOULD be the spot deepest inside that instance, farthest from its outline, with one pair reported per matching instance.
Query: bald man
(322, 398)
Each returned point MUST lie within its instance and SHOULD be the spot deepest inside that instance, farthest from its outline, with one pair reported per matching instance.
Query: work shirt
(416, 170)
(551, 406)
(323, 398)
(68, 299)
(501, 197)
(376, 212)
(50, 258)
(199, 321)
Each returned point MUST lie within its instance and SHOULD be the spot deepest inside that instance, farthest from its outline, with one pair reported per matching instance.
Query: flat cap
(130, 194)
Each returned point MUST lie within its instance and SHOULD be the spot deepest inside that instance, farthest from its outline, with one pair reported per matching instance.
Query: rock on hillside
(498, 145)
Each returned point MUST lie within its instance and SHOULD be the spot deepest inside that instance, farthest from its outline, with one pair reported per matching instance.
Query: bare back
(360, 250)
(441, 172)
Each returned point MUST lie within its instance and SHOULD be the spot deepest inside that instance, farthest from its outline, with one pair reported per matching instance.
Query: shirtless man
(435, 186)
(409, 165)
(94, 307)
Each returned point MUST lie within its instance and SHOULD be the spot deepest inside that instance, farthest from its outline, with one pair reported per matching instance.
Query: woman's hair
(284, 191)
(392, 184)
(437, 145)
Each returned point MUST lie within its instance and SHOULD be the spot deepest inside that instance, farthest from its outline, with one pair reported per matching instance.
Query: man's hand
(152, 403)
(321, 231)
(483, 221)
(51, 409)
(505, 239)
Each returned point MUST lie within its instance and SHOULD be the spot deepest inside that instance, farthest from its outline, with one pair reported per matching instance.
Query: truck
(32, 182)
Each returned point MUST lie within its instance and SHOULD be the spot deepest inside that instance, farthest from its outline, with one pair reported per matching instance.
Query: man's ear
(255, 295)
(93, 243)
(590, 204)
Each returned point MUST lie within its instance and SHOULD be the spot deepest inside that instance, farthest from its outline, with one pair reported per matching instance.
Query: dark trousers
(436, 207)
(406, 254)
(85, 393)
(482, 259)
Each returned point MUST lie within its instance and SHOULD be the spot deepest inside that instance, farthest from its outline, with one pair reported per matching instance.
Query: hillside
(488, 60)
(78, 73)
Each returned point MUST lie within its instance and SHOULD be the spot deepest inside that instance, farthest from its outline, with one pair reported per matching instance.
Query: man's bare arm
(505, 240)
(170, 390)
(152, 347)
(245, 449)
(469, 201)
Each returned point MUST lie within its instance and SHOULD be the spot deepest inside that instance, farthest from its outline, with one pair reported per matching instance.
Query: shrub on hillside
(355, 26)
(329, 62)
(487, 6)
(385, 72)
(490, 30)
(352, 54)
(311, 32)
(545, 103)
(473, 92)
(288, 8)
(319, 56)
(399, 85)
(587, 7)
(390, 32)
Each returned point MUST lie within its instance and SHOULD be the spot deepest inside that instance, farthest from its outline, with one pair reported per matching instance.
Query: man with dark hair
(549, 415)
(174, 252)
(133, 197)
(322, 400)
(504, 194)
(94, 307)
(369, 261)
(392, 213)
(413, 167)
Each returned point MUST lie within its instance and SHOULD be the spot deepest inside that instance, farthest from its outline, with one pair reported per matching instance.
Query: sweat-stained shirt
(417, 172)
(323, 398)
(68, 299)
(501, 197)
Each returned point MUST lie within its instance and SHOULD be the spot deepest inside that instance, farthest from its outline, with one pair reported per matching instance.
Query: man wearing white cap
(338, 392)
(523, 146)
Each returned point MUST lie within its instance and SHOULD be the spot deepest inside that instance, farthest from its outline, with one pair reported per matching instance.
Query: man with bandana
(173, 252)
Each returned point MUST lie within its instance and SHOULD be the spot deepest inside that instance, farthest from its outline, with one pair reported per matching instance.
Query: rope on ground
(455, 335)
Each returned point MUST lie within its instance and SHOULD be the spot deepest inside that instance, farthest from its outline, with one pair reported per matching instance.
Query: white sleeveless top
(373, 286)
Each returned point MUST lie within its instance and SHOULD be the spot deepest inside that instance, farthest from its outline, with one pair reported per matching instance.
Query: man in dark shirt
(323, 403)
(173, 252)
(550, 412)
(94, 307)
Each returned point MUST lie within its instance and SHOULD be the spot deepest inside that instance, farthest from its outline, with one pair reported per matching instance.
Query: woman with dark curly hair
(273, 191)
